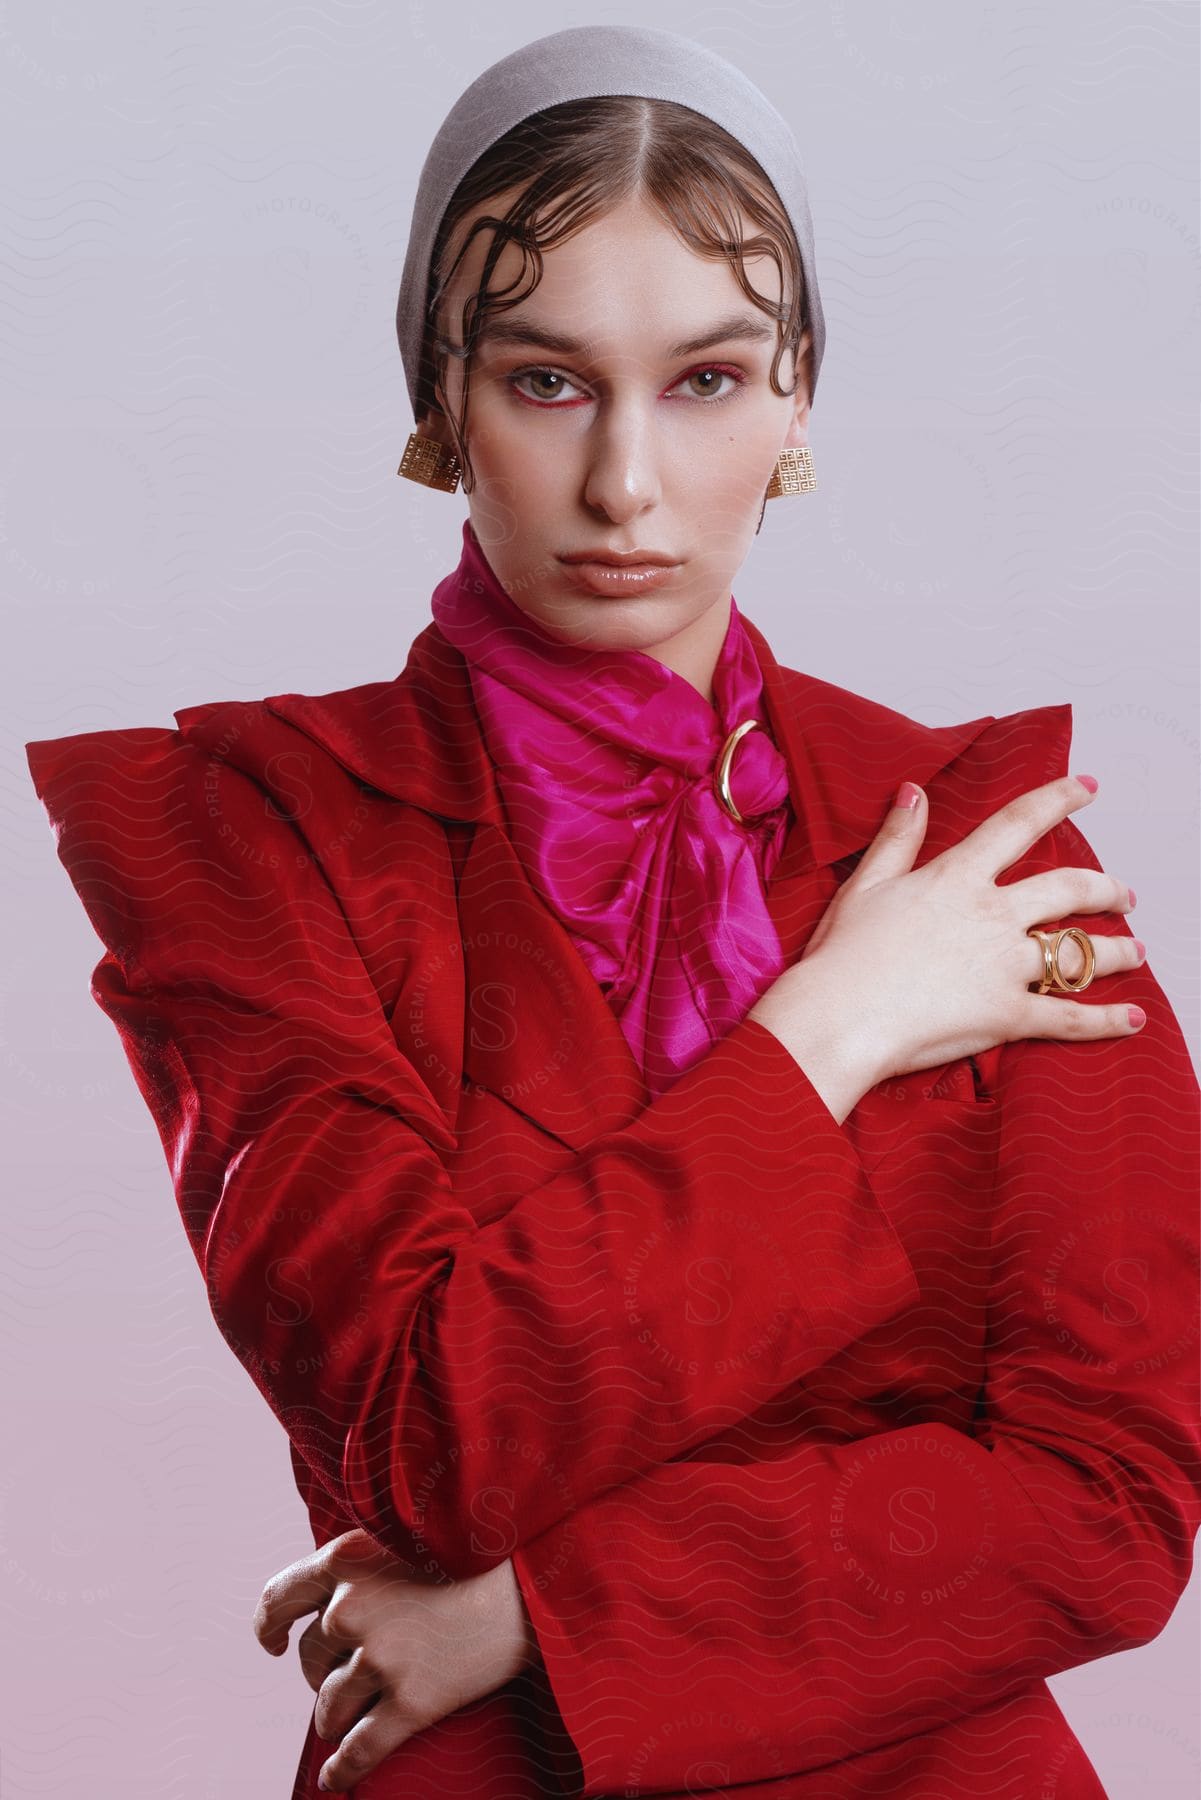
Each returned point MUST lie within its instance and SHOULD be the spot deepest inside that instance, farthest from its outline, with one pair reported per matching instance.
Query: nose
(622, 474)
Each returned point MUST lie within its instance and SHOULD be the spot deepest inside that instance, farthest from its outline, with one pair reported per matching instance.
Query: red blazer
(815, 1447)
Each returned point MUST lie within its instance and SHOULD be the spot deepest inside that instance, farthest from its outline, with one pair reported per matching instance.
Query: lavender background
(202, 225)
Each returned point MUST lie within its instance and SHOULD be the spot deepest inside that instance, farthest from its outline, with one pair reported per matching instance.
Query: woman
(729, 1303)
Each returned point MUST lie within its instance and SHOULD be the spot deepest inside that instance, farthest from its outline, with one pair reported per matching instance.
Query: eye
(713, 371)
(549, 385)
(545, 378)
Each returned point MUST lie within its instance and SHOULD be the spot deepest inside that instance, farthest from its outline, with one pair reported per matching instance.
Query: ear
(434, 424)
(798, 427)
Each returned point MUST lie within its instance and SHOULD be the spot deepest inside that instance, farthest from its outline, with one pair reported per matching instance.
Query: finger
(345, 1695)
(356, 1553)
(1076, 1020)
(1009, 832)
(319, 1656)
(1067, 892)
(300, 1588)
(365, 1746)
(893, 849)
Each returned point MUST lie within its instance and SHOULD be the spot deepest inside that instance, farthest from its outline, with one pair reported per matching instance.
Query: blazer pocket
(931, 1161)
(934, 1121)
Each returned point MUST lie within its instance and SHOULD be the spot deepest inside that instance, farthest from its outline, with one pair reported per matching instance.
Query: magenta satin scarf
(605, 762)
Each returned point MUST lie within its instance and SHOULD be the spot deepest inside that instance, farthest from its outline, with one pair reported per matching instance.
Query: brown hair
(581, 157)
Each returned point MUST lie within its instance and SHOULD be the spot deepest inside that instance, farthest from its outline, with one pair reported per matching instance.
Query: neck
(693, 652)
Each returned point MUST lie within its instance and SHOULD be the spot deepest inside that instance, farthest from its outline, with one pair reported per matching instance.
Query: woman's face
(597, 423)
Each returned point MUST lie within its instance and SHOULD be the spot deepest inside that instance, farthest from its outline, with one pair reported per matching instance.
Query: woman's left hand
(407, 1650)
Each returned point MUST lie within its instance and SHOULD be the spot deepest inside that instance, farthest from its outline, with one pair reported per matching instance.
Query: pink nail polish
(1133, 896)
(908, 795)
(1141, 948)
(1137, 1017)
(1088, 781)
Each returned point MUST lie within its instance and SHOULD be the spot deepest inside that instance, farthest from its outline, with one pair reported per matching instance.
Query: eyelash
(736, 375)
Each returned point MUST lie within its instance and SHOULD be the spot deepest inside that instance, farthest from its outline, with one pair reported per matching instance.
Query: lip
(598, 577)
(621, 559)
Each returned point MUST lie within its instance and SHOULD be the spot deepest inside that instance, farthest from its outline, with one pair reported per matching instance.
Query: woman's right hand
(911, 968)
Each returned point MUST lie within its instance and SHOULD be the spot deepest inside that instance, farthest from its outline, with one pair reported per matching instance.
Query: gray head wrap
(578, 64)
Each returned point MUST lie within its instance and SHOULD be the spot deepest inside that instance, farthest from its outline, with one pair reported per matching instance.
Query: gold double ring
(1053, 976)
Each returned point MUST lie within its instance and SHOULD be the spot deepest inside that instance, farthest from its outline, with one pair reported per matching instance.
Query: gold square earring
(793, 473)
(431, 463)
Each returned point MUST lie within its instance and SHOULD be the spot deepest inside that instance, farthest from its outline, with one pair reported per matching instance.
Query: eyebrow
(515, 330)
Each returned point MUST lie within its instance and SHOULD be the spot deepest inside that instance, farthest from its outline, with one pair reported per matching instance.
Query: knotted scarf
(605, 764)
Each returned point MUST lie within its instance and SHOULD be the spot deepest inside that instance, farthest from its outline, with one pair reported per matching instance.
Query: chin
(586, 618)
(622, 625)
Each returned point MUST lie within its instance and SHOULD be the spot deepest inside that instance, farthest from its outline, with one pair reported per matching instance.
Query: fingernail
(1088, 781)
(1133, 896)
(323, 1784)
(1141, 948)
(1137, 1017)
(908, 796)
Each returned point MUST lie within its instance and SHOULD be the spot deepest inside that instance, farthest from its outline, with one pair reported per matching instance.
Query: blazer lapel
(538, 1032)
(846, 757)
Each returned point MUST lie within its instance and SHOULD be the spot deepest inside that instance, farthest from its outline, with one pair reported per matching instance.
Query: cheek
(723, 491)
(516, 460)
(736, 462)
(518, 493)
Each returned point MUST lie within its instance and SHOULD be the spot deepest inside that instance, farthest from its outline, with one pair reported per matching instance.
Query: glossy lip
(622, 559)
(603, 578)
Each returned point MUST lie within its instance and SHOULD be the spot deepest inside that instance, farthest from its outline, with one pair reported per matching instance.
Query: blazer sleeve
(738, 1621)
(456, 1387)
